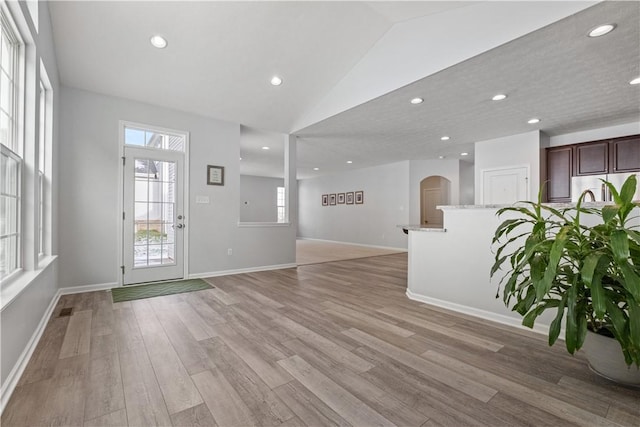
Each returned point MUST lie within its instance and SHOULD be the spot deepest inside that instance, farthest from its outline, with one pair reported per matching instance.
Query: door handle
(180, 226)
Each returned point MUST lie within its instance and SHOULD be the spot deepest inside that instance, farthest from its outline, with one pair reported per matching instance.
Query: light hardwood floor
(327, 344)
(315, 251)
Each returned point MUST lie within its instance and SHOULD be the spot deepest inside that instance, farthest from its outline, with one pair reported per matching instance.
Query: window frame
(18, 214)
(15, 148)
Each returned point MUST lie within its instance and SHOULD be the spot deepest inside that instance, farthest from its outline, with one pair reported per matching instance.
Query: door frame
(120, 202)
(505, 168)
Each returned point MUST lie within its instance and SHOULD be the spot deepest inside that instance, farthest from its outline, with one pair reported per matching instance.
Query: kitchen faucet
(590, 193)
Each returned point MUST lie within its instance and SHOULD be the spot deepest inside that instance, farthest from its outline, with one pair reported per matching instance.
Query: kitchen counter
(420, 227)
(551, 205)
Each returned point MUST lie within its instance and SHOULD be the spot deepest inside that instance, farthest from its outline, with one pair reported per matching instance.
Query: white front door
(153, 215)
(505, 186)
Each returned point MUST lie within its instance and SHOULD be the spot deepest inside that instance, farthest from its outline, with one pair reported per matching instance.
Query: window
(281, 205)
(42, 139)
(11, 150)
(11, 165)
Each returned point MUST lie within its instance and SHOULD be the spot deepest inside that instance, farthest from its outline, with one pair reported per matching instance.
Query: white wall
(89, 192)
(421, 169)
(20, 318)
(451, 269)
(595, 134)
(386, 199)
(258, 198)
(467, 183)
(511, 151)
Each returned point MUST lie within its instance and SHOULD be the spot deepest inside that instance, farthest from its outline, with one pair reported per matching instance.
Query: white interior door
(432, 197)
(153, 220)
(505, 186)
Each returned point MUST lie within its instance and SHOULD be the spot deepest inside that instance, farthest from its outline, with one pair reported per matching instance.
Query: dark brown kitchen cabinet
(592, 158)
(625, 154)
(559, 170)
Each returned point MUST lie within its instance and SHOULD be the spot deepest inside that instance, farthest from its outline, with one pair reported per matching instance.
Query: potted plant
(587, 275)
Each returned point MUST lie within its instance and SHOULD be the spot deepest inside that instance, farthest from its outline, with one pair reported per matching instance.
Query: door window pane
(154, 212)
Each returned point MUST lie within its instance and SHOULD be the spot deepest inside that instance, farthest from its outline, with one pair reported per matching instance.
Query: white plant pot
(605, 358)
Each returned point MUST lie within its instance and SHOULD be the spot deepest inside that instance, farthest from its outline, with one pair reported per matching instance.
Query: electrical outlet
(229, 251)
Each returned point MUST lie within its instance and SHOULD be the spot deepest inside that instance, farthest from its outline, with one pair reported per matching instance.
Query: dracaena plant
(587, 275)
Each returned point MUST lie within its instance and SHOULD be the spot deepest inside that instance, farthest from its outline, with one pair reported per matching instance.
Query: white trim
(354, 244)
(482, 314)
(263, 224)
(10, 383)
(504, 168)
(11, 291)
(242, 270)
(88, 288)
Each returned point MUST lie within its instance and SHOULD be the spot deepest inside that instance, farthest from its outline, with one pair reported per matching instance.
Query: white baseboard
(241, 271)
(476, 312)
(10, 383)
(391, 248)
(87, 288)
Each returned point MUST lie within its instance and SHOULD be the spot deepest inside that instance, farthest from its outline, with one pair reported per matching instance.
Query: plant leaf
(571, 334)
(554, 258)
(556, 324)
(593, 269)
(634, 322)
(609, 213)
(628, 189)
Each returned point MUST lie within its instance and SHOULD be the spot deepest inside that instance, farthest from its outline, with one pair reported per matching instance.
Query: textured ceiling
(558, 74)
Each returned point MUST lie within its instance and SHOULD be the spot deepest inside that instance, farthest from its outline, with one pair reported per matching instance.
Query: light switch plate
(202, 199)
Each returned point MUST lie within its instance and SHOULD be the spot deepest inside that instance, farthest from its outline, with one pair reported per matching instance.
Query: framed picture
(325, 200)
(350, 198)
(215, 175)
(341, 198)
(332, 199)
(359, 197)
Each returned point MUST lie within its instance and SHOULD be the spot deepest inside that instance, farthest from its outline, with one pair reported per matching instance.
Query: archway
(434, 191)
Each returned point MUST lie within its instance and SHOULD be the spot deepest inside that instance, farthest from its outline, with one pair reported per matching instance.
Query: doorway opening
(434, 191)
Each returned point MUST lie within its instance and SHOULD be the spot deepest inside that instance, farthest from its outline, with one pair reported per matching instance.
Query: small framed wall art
(359, 197)
(350, 198)
(341, 198)
(215, 175)
(332, 199)
(325, 200)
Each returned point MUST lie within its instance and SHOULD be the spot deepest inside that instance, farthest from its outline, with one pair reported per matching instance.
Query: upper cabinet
(618, 155)
(625, 154)
(592, 158)
(559, 170)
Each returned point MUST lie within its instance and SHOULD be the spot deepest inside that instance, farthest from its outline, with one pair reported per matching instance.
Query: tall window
(280, 203)
(10, 150)
(42, 179)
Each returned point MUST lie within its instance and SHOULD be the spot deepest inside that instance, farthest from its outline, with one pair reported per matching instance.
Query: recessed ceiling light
(499, 97)
(240, 158)
(349, 161)
(417, 101)
(464, 154)
(276, 81)
(601, 30)
(441, 157)
(635, 81)
(158, 41)
(316, 169)
(265, 148)
(533, 121)
(445, 138)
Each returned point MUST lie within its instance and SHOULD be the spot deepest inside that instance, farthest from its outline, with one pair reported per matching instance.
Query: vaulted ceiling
(350, 69)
